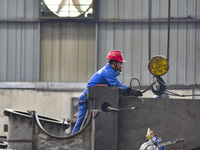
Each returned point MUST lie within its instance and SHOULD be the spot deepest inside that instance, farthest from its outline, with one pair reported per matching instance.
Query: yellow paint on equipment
(158, 65)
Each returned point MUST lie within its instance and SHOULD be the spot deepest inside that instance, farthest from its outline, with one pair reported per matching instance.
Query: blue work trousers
(83, 107)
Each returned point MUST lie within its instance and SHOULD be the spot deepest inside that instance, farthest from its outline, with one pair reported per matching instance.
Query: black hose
(135, 107)
(163, 84)
(135, 79)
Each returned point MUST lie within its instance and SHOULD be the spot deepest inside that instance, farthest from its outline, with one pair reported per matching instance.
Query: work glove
(131, 91)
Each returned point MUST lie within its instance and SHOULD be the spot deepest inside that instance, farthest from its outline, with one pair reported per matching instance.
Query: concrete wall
(47, 101)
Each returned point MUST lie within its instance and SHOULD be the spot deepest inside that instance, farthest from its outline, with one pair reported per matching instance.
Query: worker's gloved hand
(134, 92)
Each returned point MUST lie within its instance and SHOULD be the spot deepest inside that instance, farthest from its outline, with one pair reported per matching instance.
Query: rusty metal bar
(19, 140)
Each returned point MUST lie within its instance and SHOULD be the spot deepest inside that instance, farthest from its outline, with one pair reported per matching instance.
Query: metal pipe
(155, 20)
(19, 140)
(168, 38)
(96, 36)
(96, 46)
(149, 27)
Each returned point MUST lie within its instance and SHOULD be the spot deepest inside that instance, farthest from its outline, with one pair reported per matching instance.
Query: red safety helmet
(116, 55)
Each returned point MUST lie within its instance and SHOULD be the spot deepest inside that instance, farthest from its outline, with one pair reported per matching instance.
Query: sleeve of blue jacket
(110, 76)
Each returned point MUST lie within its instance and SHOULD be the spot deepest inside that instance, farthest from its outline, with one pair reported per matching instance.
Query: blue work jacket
(106, 75)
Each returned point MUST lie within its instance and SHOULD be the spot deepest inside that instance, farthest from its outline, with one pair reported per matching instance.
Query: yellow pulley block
(158, 65)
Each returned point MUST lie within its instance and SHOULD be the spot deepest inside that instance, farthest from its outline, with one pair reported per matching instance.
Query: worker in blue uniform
(107, 76)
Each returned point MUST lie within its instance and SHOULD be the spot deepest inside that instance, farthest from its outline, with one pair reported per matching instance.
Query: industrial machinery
(158, 66)
(154, 143)
(114, 122)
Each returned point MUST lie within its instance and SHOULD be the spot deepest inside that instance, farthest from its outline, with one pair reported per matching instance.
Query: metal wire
(109, 108)
(175, 94)
(166, 91)
(135, 107)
